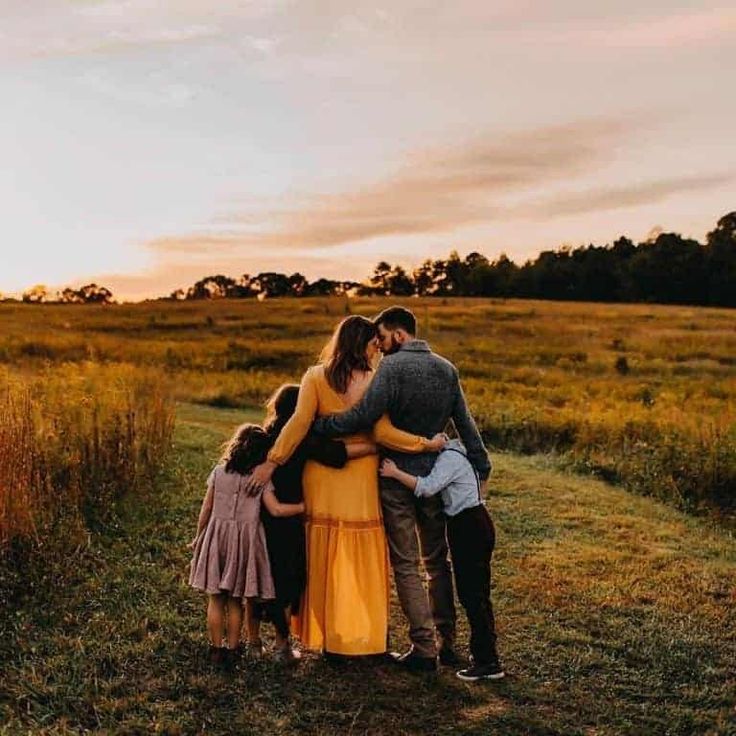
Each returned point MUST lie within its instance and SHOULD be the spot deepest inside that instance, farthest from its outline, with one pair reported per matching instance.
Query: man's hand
(259, 477)
(193, 543)
(438, 442)
(388, 468)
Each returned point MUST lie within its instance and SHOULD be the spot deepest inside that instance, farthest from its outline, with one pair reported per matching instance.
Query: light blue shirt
(454, 478)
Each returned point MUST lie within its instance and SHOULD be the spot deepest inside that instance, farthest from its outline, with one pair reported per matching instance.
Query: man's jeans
(404, 516)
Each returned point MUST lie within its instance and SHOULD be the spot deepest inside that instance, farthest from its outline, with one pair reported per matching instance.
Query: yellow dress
(345, 604)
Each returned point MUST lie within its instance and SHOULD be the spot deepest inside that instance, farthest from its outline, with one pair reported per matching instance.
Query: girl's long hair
(345, 352)
(247, 448)
(280, 407)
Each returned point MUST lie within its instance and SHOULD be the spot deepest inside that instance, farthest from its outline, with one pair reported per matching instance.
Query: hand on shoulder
(438, 442)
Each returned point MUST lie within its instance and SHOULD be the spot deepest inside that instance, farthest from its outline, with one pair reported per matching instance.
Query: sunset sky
(147, 144)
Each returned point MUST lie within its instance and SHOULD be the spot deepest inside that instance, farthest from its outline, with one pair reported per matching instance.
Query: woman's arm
(387, 435)
(276, 508)
(360, 449)
(206, 509)
(294, 431)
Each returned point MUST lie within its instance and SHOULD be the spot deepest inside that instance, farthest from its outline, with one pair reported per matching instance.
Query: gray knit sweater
(421, 392)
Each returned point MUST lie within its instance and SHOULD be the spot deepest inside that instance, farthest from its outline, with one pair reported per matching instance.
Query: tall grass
(641, 394)
(74, 440)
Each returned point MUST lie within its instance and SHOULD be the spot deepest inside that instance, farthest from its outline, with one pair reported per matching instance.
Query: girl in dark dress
(285, 534)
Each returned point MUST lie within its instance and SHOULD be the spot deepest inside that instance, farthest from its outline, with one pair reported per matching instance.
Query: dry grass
(74, 439)
(640, 394)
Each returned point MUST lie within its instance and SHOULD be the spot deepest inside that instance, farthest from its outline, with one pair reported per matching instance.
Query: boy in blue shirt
(471, 537)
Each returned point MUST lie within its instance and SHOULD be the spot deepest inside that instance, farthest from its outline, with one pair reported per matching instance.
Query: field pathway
(616, 615)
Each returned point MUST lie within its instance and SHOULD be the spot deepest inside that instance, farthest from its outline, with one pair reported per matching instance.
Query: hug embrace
(351, 469)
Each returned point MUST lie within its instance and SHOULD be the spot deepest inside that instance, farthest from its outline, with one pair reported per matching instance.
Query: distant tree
(178, 295)
(476, 275)
(505, 273)
(36, 294)
(211, 287)
(669, 270)
(241, 288)
(271, 284)
(423, 278)
(298, 284)
(594, 274)
(455, 281)
(323, 287)
(70, 296)
(720, 262)
(380, 280)
(94, 294)
(349, 288)
(399, 282)
(439, 278)
(552, 275)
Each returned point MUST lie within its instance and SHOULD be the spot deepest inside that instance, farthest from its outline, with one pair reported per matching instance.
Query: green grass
(616, 615)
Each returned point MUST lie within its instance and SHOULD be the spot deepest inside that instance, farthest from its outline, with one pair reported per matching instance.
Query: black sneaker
(232, 657)
(491, 671)
(413, 662)
(449, 657)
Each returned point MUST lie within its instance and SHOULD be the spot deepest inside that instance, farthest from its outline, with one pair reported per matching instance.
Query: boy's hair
(247, 448)
(397, 318)
(280, 407)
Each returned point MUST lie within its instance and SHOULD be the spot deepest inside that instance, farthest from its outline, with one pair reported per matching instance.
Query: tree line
(666, 268)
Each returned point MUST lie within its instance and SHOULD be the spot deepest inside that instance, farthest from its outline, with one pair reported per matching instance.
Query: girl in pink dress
(230, 561)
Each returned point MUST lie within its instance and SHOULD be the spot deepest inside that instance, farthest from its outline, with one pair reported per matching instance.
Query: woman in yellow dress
(345, 605)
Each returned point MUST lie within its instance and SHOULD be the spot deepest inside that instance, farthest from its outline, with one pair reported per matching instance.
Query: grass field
(642, 395)
(616, 613)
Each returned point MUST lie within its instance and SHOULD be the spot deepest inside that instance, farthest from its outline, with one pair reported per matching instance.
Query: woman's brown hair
(345, 352)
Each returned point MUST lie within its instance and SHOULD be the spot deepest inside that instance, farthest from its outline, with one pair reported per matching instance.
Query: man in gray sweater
(421, 392)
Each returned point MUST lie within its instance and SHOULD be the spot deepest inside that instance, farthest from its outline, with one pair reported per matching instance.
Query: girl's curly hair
(247, 448)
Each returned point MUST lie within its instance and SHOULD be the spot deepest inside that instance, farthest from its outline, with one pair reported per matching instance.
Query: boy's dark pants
(471, 537)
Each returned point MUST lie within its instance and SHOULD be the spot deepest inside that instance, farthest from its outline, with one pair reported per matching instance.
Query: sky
(146, 144)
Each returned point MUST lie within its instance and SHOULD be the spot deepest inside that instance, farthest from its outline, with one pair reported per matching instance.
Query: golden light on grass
(74, 440)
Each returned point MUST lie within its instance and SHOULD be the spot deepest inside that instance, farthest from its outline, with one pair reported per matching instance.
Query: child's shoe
(287, 656)
(232, 657)
(254, 649)
(490, 671)
(217, 655)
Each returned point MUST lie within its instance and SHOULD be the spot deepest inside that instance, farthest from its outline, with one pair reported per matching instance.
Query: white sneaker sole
(468, 678)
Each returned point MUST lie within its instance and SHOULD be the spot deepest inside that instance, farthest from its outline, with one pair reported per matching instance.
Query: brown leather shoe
(413, 662)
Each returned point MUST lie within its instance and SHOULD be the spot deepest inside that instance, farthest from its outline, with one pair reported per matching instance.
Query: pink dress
(230, 555)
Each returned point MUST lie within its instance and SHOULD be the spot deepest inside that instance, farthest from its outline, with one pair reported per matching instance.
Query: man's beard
(394, 347)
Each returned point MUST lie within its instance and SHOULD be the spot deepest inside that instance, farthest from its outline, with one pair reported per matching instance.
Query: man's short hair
(397, 318)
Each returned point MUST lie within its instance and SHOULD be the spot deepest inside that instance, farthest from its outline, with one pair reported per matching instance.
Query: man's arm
(366, 412)
(469, 434)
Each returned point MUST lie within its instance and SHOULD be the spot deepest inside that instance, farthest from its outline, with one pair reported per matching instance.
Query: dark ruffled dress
(231, 553)
(286, 539)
